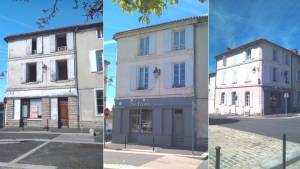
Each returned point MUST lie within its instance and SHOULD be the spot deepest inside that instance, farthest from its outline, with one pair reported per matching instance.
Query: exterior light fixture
(156, 72)
(44, 67)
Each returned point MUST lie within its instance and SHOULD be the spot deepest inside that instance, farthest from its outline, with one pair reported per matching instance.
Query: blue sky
(115, 20)
(233, 23)
(18, 17)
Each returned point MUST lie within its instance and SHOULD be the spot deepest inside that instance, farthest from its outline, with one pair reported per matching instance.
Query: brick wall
(73, 112)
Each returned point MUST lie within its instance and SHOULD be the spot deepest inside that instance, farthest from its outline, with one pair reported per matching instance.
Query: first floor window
(233, 98)
(99, 101)
(31, 72)
(286, 77)
(141, 121)
(274, 74)
(143, 78)
(179, 75)
(298, 75)
(247, 98)
(62, 70)
(99, 61)
(298, 97)
(222, 98)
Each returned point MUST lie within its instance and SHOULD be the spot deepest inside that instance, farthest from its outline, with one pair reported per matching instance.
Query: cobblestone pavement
(246, 150)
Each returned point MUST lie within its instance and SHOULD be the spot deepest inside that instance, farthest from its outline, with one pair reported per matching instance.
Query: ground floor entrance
(63, 113)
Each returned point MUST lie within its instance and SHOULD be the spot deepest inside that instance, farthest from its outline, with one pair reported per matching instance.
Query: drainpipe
(76, 76)
(194, 105)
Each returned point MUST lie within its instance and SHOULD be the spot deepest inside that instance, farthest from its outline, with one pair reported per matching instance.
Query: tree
(146, 7)
(92, 10)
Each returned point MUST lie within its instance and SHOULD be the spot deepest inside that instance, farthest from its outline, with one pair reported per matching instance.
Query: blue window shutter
(189, 37)
(133, 77)
(168, 75)
(189, 72)
(167, 40)
(152, 44)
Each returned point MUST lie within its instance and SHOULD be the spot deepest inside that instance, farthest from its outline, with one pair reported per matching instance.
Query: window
(233, 98)
(179, 40)
(247, 98)
(298, 97)
(61, 42)
(35, 108)
(286, 59)
(99, 101)
(234, 76)
(31, 72)
(248, 54)
(286, 77)
(99, 61)
(224, 60)
(143, 78)
(275, 57)
(141, 121)
(222, 98)
(223, 77)
(179, 75)
(298, 75)
(144, 46)
(61, 70)
(99, 33)
(34, 46)
(274, 74)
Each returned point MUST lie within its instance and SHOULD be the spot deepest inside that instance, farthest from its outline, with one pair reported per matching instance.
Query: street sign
(286, 95)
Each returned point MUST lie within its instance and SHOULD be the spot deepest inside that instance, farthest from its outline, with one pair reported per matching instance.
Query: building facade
(211, 93)
(42, 81)
(155, 84)
(253, 79)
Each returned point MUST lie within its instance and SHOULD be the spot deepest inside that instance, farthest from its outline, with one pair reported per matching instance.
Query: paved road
(269, 127)
(49, 151)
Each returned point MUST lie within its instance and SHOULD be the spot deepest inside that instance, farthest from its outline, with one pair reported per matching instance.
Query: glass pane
(134, 121)
(146, 121)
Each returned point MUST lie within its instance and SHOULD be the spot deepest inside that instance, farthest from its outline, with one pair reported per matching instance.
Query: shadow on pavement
(221, 120)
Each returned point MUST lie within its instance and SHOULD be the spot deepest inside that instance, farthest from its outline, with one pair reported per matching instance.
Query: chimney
(228, 49)
(295, 50)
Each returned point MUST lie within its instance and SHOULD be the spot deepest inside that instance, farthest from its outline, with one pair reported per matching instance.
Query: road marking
(26, 166)
(153, 153)
(48, 140)
(28, 153)
(119, 166)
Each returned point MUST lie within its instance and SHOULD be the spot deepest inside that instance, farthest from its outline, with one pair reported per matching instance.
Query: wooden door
(178, 128)
(63, 121)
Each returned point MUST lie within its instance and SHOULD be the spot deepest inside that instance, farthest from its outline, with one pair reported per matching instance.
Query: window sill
(140, 89)
(37, 119)
(62, 81)
(36, 82)
(247, 81)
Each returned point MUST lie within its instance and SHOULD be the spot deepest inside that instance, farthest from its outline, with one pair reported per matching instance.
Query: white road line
(26, 166)
(28, 153)
(119, 166)
(154, 153)
(48, 140)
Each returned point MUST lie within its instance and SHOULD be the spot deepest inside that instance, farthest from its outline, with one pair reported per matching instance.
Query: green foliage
(145, 7)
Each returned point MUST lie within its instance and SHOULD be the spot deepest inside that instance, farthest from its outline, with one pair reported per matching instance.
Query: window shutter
(28, 46)
(39, 45)
(189, 72)
(151, 76)
(39, 71)
(52, 43)
(23, 73)
(152, 39)
(17, 109)
(93, 61)
(168, 75)
(189, 37)
(70, 41)
(71, 68)
(167, 40)
(54, 110)
(133, 78)
(141, 52)
(53, 70)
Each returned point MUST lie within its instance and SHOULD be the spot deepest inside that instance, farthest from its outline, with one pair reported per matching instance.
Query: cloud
(109, 42)
(3, 17)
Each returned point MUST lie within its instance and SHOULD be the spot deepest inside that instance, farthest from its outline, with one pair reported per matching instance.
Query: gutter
(76, 76)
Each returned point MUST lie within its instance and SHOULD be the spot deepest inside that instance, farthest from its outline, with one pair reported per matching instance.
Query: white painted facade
(211, 93)
(240, 73)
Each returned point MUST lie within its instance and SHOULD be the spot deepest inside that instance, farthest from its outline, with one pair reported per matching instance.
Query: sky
(233, 23)
(115, 20)
(19, 17)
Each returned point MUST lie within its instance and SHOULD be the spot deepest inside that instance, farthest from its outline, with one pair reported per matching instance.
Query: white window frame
(142, 83)
(102, 61)
(247, 98)
(179, 75)
(223, 96)
(233, 100)
(181, 40)
(95, 102)
(145, 40)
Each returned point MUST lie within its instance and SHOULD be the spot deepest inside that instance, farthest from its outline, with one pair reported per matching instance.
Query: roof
(49, 31)
(195, 19)
(252, 43)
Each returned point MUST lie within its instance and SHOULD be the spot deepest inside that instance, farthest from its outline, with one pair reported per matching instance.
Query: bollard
(125, 142)
(47, 127)
(218, 153)
(284, 151)
(153, 144)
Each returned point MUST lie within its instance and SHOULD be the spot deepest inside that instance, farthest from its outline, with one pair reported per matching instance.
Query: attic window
(34, 46)
(61, 70)
(61, 42)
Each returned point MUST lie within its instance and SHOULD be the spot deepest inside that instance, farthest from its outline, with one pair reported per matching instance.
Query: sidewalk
(271, 116)
(181, 151)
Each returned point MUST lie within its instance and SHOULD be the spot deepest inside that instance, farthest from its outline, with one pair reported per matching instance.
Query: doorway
(178, 128)
(63, 113)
